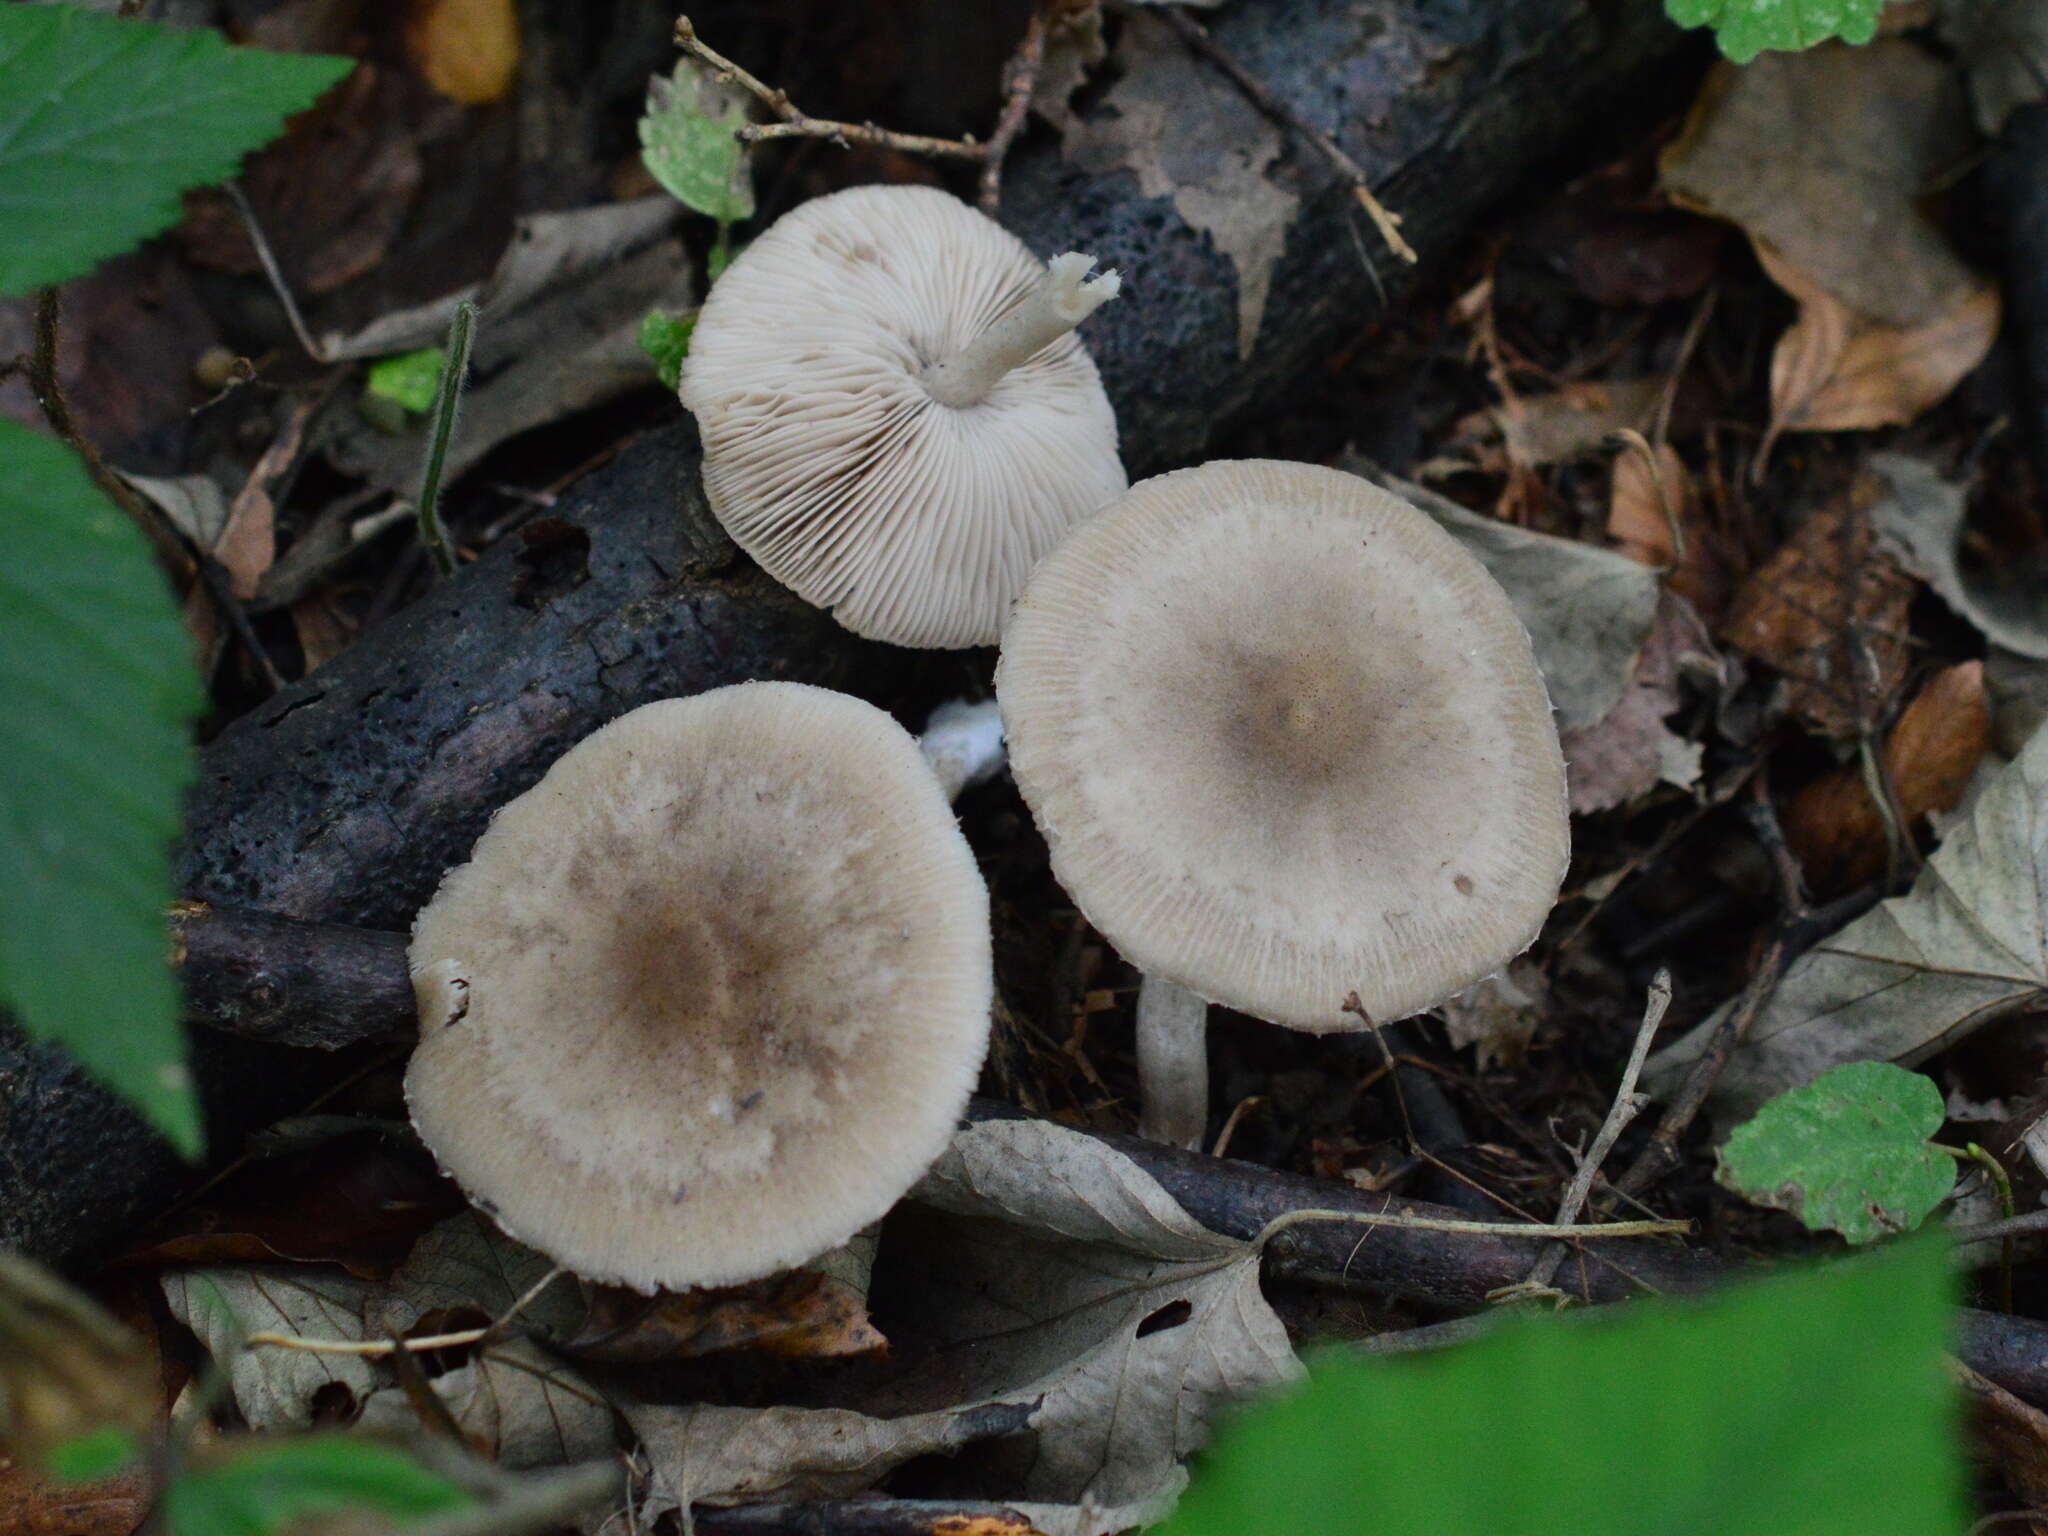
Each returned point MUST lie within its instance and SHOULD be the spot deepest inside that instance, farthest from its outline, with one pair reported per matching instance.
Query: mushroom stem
(1173, 1063)
(964, 744)
(1062, 301)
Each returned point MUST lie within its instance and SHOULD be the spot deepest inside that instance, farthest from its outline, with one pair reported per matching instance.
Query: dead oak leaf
(1190, 136)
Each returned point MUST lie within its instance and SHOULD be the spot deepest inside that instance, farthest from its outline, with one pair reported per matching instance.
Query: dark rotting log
(343, 797)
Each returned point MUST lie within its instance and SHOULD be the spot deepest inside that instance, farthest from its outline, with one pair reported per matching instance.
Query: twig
(2029, 1225)
(435, 538)
(2001, 1181)
(1020, 79)
(799, 125)
(373, 1348)
(1196, 37)
(268, 260)
(1409, 1223)
(1627, 1105)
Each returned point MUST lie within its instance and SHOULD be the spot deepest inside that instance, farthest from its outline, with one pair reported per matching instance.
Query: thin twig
(799, 125)
(1195, 36)
(274, 272)
(2029, 1225)
(1280, 1224)
(373, 1348)
(1020, 79)
(1627, 1105)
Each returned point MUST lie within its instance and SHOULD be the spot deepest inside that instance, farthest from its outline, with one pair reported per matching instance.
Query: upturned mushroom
(898, 419)
(1286, 741)
(710, 996)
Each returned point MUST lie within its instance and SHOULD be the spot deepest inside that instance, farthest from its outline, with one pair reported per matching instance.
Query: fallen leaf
(1823, 157)
(1589, 611)
(466, 1266)
(516, 1404)
(2018, 689)
(324, 630)
(798, 1315)
(1929, 754)
(275, 1386)
(1499, 1015)
(2003, 48)
(1623, 254)
(1073, 48)
(2014, 1433)
(1554, 428)
(1630, 750)
(1212, 164)
(1828, 611)
(114, 1506)
(1834, 371)
(195, 504)
(1966, 946)
(1652, 509)
(468, 50)
(719, 1456)
(1924, 516)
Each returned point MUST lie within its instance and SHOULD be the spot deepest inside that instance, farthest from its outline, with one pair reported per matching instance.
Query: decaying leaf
(2015, 1433)
(711, 1455)
(1834, 825)
(34, 1506)
(467, 1266)
(517, 1405)
(1654, 516)
(2003, 48)
(1073, 48)
(1924, 515)
(1630, 750)
(1589, 611)
(2018, 690)
(1847, 1152)
(275, 1386)
(1499, 1015)
(1527, 431)
(468, 50)
(1966, 946)
(1787, 148)
(1828, 610)
(1187, 133)
(801, 1314)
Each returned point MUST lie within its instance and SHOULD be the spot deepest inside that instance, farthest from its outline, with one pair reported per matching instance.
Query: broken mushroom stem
(1066, 297)
(963, 742)
(1173, 1063)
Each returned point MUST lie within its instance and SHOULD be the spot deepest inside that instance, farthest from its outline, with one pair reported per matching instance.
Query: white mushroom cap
(827, 456)
(1286, 740)
(710, 996)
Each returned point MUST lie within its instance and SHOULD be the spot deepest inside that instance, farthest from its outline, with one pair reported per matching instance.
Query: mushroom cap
(710, 996)
(1287, 740)
(829, 462)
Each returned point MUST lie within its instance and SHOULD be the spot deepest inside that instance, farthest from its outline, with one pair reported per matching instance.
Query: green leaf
(665, 338)
(1848, 1151)
(411, 379)
(91, 1457)
(104, 122)
(686, 140)
(97, 688)
(1745, 28)
(1804, 1404)
(269, 1486)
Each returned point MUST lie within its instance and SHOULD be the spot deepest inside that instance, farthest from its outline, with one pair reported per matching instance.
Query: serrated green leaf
(665, 338)
(1804, 1404)
(104, 122)
(97, 688)
(411, 379)
(269, 1486)
(1847, 1152)
(1745, 28)
(687, 143)
(90, 1457)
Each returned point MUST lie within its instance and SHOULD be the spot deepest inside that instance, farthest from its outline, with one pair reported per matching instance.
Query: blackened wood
(263, 977)
(2015, 184)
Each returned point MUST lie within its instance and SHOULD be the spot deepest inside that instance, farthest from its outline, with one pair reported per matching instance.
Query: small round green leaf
(1745, 28)
(1849, 1151)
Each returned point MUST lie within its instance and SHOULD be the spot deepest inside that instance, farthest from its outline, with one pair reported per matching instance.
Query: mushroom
(1286, 741)
(898, 419)
(711, 995)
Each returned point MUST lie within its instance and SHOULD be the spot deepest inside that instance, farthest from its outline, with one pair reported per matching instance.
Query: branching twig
(1195, 36)
(1627, 1105)
(796, 124)
(1020, 79)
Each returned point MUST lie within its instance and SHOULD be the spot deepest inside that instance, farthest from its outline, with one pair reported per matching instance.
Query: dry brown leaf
(1630, 751)
(1834, 371)
(1655, 517)
(1829, 612)
(798, 1315)
(2013, 1435)
(324, 630)
(1555, 428)
(1499, 1015)
(116, 1506)
(1833, 825)
(1186, 133)
(468, 50)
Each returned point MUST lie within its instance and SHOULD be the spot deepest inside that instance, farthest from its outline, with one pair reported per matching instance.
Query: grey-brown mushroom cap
(1286, 740)
(827, 459)
(709, 997)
